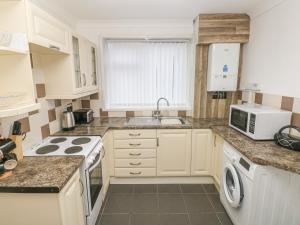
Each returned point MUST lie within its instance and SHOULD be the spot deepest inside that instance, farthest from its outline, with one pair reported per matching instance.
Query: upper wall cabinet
(46, 33)
(16, 82)
(222, 28)
(13, 43)
(71, 76)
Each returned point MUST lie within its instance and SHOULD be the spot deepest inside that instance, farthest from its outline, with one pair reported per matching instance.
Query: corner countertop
(265, 153)
(41, 174)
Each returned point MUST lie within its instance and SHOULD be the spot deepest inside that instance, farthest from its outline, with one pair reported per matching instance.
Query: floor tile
(174, 219)
(115, 219)
(197, 203)
(145, 203)
(215, 200)
(144, 219)
(204, 219)
(224, 218)
(192, 188)
(118, 203)
(145, 188)
(120, 188)
(210, 188)
(169, 188)
(170, 203)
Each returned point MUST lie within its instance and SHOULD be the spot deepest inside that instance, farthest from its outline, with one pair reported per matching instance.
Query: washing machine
(236, 191)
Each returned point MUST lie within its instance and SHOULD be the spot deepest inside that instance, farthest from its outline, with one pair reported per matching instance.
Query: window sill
(162, 108)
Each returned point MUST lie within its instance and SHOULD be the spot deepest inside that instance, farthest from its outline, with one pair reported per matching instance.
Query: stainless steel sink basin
(152, 121)
(171, 121)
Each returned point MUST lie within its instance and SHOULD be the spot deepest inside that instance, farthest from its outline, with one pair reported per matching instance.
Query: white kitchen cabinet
(64, 208)
(201, 153)
(218, 144)
(16, 86)
(69, 76)
(135, 153)
(174, 152)
(45, 31)
(71, 202)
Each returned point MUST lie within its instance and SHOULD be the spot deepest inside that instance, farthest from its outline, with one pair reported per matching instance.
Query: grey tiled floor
(170, 204)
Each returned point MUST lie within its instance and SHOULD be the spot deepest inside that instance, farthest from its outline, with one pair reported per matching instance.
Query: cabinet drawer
(135, 163)
(135, 143)
(135, 153)
(134, 134)
(135, 172)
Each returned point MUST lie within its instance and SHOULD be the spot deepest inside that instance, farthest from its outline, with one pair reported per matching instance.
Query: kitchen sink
(171, 121)
(152, 121)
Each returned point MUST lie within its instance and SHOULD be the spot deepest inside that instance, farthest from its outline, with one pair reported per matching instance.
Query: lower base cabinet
(174, 152)
(217, 158)
(64, 208)
(201, 163)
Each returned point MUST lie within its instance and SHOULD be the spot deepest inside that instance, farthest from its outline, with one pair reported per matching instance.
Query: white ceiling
(151, 9)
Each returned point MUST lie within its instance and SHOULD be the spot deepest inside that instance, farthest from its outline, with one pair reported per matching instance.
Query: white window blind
(138, 72)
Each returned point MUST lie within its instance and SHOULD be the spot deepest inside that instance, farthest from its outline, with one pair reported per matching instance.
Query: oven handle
(93, 166)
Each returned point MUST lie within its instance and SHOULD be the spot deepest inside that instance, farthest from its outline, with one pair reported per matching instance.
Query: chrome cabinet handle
(133, 154)
(82, 188)
(134, 144)
(135, 135)
(138, 173)
(84, 79)
(135, 164)
(54, 47)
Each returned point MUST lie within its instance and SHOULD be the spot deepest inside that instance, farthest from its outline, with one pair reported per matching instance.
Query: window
(138, 72)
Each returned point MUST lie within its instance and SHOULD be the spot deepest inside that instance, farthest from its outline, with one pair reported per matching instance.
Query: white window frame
(191, 73)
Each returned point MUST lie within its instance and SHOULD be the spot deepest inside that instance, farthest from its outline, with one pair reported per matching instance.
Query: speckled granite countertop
(261, 152)
(41, 174)
(98, 127)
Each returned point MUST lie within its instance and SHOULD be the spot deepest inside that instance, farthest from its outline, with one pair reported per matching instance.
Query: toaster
(83, 116)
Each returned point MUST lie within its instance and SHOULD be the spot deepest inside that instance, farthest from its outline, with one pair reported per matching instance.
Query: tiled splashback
(283, 102)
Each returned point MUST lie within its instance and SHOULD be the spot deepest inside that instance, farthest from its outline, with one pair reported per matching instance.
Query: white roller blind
(138, 72)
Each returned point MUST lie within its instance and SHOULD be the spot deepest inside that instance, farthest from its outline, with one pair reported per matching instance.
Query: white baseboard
(163, 180)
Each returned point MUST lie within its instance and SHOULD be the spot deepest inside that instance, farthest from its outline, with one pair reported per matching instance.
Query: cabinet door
(105, 165)
(45, 30)
(71, 202)
(92, 66)
(174, 153)
(76, 63)
(217, 158)
(201, 153)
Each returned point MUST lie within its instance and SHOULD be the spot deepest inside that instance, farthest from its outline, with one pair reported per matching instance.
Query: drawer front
(134, 134)
(135, 163)
(135, 153)
(135, 172)
(135, 143)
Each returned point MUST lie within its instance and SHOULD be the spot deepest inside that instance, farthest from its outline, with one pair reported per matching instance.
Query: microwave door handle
(93, 166)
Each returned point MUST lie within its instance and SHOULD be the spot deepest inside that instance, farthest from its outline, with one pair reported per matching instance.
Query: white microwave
(258, 122)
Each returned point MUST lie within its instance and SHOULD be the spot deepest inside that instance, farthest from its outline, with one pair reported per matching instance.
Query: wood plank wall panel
(204, 104)
(220, 28)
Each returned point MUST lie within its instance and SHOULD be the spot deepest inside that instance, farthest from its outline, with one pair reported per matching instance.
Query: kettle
(68, 122)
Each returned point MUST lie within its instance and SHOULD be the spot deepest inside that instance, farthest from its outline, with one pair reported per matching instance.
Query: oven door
(239, 119)
(94, 186)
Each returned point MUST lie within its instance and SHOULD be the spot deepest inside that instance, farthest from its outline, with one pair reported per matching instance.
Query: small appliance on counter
(83, 116)
(257, 121)
(68, 122)
(8, 160)
(286, 140)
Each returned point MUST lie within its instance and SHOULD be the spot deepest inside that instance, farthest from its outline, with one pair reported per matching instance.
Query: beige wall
(271, 58)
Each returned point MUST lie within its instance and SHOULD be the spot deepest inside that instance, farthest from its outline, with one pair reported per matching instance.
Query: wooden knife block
(18, 139)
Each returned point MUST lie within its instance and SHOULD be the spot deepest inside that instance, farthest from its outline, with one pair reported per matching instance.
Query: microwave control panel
(252, 123)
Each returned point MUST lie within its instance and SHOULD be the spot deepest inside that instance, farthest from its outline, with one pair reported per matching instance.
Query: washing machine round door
(232, 185)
